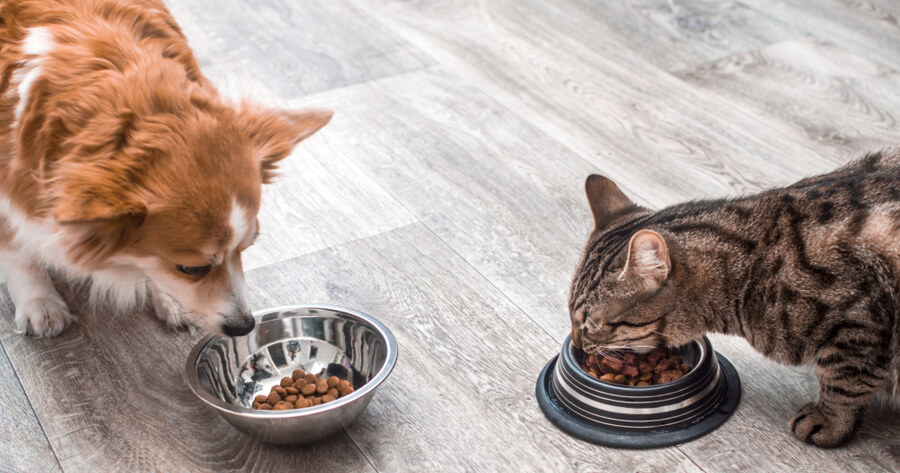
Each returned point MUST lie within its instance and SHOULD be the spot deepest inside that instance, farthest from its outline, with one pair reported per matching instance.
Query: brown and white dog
(119, 162)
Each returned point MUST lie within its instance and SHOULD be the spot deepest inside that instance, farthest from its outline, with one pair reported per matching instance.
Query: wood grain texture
(834, 97)
(757, 437)
(446, 199)
(24, 445)
(671, 34)
(110, 395)
(461, 397)
(489, 201)
(868, 28)
(502, 194)
(633, 121)
(296, 48)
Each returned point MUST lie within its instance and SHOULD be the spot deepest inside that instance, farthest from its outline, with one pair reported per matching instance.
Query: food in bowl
(301, 390)
(632, 369)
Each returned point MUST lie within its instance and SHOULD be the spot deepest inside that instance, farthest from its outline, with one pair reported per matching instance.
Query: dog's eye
(193, 270)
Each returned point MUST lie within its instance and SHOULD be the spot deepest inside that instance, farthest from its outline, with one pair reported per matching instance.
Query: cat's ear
(605, 198)
(648, 258)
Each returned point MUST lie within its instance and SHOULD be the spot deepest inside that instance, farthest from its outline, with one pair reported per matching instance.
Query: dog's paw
(43, 317)
(822, 428)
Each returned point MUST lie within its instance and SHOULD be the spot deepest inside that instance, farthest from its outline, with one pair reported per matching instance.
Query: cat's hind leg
(852, 366)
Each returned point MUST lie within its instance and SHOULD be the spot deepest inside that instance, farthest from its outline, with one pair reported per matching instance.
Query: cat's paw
(43, 317)
(819, 426)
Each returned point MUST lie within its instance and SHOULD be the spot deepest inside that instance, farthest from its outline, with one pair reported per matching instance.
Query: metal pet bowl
(227, 373)
(640, 417)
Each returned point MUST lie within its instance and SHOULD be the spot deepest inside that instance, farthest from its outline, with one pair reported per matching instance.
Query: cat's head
(624, 293)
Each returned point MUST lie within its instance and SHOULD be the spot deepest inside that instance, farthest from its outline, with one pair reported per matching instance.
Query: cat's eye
(198, 271)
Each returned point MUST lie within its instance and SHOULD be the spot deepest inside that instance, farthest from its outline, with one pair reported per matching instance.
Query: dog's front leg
(166, 308)
(40, 310)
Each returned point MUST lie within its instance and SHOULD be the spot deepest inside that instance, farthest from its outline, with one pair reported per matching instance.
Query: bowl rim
(390, 361)
(706, 352)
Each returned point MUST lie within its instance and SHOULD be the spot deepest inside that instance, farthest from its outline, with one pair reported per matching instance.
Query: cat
(808, 273)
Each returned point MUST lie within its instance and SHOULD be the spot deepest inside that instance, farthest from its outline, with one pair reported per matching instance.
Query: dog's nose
(240, 327)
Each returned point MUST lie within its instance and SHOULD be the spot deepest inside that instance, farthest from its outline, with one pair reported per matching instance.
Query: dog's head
(175, 196)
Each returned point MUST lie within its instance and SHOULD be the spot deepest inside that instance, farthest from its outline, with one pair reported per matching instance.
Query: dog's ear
(96, 181)
(99, 211)
(82, 200)
(274, 133)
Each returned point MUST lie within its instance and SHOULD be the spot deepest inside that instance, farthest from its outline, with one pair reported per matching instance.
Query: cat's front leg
(850, 370)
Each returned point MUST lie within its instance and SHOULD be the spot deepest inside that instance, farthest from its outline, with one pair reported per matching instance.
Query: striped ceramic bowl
(640, 417)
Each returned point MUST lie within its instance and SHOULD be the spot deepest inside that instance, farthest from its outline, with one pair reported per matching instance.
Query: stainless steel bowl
(227, 373)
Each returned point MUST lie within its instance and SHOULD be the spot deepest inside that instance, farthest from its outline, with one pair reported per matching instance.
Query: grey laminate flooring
(445, 198)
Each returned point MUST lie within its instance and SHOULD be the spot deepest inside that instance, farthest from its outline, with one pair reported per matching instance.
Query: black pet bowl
(640, 417)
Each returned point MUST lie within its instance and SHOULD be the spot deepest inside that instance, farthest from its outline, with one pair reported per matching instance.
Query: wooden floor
(445, 198)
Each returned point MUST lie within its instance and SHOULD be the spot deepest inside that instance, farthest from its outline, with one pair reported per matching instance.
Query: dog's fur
(120, 162)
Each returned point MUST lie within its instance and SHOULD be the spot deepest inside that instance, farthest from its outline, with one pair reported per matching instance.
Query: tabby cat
(809, 273)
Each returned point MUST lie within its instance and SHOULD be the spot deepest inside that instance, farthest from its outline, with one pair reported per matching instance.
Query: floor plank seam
(30, 405)
(738, 109)
(689, 457)
(500, 105)
(527, 118)
(340, 245)
(296, 101)
(551, 337)
(328, 92)
(359, 449)
(489, 282)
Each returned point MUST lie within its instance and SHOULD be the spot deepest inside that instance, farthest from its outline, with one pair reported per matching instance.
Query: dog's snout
(239, 327)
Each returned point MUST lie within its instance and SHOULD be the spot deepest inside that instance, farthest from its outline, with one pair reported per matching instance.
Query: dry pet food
(631, 369)
(301, 390)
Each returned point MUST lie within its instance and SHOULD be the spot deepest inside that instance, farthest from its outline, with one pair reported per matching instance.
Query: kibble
(302, 390)
(631, 369)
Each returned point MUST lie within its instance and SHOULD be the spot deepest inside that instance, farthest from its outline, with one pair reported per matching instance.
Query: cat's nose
(576, 337)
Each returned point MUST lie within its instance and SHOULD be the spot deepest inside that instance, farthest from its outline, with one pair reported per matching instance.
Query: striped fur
(807, 274)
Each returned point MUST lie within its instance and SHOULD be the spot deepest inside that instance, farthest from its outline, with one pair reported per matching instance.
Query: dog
(121, 164)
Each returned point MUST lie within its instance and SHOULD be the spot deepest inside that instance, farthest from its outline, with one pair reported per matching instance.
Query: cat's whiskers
(605, 352)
